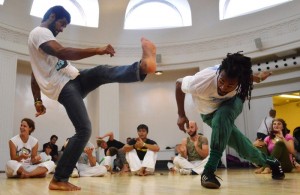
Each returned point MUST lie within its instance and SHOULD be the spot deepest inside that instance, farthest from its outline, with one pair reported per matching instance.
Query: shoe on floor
(185, 171)
(277, 172)
(209, 180)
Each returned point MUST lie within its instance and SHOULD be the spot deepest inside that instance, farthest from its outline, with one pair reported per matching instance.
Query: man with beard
(59, 80)
(192, 152)
(218, 93)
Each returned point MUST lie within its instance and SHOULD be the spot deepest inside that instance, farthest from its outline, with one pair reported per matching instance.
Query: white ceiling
(206, 42)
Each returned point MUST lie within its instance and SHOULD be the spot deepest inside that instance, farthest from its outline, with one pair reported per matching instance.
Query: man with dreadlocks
(219, 93)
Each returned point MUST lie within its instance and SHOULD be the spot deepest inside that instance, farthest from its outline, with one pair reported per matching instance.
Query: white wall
(153, 103)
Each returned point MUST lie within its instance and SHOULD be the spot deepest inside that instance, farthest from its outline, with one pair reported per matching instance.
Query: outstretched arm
(180, 97)
(68, 53)
(36, 92)
(259, 77)
(110, 136)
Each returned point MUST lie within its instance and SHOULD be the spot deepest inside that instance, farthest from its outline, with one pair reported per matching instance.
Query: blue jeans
(71, 97)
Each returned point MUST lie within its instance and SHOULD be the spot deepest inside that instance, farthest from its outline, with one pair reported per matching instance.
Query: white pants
(88, 171)
(12, 166)
(197, 166)
(136, 164)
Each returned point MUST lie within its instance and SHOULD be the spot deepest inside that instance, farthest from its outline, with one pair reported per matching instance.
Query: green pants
(281, 153)
(224, 132)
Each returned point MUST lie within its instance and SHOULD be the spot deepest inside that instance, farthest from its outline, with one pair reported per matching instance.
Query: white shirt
(24, 148)
(265, 125)
(45, 157)
(50, 72)
(203, 88)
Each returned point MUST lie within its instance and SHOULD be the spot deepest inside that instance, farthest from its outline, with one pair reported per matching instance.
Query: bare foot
(259, 170)
(64, 186)
(148, 62)
(148, 173)
(141, 172)
(24, 175)
(266, 171)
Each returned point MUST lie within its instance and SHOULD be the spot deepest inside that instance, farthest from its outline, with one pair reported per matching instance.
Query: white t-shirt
(24, 148)
(203, 88)
(265, 125)
(45, 157)
(50, 72)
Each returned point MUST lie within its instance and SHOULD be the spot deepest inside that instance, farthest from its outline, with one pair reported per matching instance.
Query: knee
(280, 144)
(85, 131)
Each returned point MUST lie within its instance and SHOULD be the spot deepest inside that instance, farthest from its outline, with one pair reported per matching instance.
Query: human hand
(24, 156)
(107, 50)
(88, 150)
(37, 158)
(261, 76)
(40, 108)
(139, 143)
(259, 143)
(183, 123)
(181, 149)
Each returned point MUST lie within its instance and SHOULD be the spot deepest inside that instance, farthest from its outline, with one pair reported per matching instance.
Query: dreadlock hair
(238, 66)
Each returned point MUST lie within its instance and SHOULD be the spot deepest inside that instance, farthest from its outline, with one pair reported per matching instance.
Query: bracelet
(38, 102)
(144, 144)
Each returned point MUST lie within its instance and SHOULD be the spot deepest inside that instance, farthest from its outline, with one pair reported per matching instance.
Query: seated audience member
(141, 153)
(278, 144)
(265, 125)
(25, 161)
(120, 162)
(54, 152)
(45, 156)
(87, 165)
(296, 135)
(192, 152)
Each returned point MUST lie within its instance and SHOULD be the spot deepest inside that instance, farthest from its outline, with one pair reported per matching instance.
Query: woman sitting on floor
(279, 144)
(25, 161)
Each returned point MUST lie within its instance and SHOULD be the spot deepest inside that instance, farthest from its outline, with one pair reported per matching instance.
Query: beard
(193, 134)
(52, 28)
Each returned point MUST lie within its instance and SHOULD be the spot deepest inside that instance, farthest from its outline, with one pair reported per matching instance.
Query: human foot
(148, 62)
(63, 186)
(259, 170)
(267, 171)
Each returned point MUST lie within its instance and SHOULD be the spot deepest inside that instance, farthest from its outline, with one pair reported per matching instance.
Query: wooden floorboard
(235, 181)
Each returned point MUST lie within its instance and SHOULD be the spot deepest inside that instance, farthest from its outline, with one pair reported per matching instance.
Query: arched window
(83, 12)
(157, 14)
(234, 8)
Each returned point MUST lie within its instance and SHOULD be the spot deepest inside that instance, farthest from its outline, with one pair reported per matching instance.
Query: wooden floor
(235, 181)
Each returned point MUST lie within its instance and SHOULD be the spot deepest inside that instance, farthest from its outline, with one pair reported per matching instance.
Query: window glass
(234, 8)
(157, 14)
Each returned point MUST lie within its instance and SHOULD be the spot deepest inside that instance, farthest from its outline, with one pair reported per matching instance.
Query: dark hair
(48, 145)
(59, 11)
(272, 113)
(53, 136)
(30, 124)
(296, 132)
(113, 151)
(285, 130)
(142, 126)
(238, 66)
